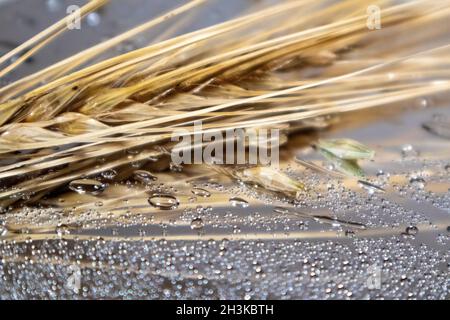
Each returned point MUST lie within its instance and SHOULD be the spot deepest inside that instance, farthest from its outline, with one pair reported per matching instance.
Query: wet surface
(196, 234)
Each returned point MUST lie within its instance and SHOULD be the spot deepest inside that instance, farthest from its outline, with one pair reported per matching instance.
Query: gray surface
(293, 258)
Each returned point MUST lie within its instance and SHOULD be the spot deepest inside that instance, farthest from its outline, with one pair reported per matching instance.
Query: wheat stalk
(246, 72)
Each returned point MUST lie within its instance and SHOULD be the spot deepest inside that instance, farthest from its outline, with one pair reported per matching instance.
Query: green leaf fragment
(346, 149)
(347, 167)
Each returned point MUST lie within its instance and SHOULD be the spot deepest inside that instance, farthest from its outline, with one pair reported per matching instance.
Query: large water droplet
(238, 202)
(164, 201)
(199, 192)
(88, 186)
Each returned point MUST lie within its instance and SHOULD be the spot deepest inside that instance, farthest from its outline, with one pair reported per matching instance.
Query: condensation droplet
(164, 201)
(197, 224)
(281, 210)
(3, 231)
(87, 186)
(62, 230)
(93, 19)
(238, 202)
(201, 192)
(417, 182)
(412, 230)
(109, 174)
(144, 176)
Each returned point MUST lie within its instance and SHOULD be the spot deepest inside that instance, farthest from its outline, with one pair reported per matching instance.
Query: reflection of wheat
(252, 71)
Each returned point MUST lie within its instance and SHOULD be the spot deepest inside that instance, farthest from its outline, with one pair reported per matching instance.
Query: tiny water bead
(144, 176)
(197, 224)
(199, 192)
(87, 186)
(239, 202)
(164, 201)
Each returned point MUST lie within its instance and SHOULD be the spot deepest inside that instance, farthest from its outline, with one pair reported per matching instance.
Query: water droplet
(197, 224)
(176, 167)
(54, 5)
(93, 19)
(88, 186)
(417, 182)
(349, 233)
(281, 210)
(164, 201)
(3, 231)
(109, 174)
(423, 103)
(380, 173)
(412, 230)
(238, 202)
(201, 192)
(145, 177)
(62, 230)
(408, 150)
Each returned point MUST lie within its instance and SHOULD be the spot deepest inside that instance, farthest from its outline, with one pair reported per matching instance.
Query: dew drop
(54, 5)
(109, 174)
(176, 167)
(417, 182)
(238, 202)
(408, 150)
(197, 224)
(62, 230)
(163, 201)
(199, 192)
(93, 19)
(3, 231)
(87, 186)
(281, 210)
(412, 230)
(144, 176)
